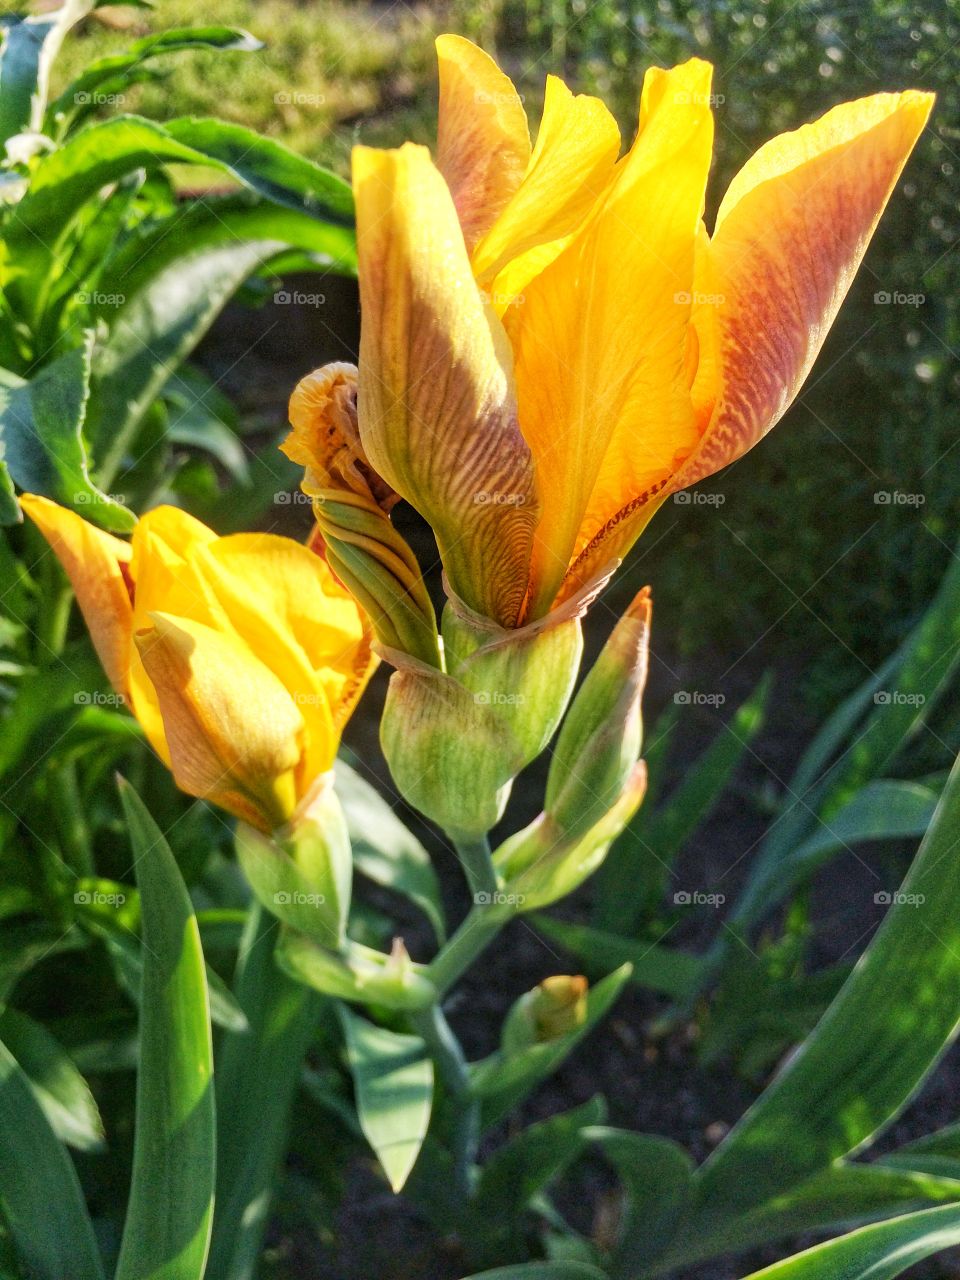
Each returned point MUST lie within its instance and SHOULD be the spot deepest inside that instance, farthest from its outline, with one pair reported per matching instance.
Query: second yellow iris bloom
(241, 656)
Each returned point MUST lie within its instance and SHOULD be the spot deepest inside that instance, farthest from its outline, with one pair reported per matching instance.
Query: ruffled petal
(436, 405)
(571, 166)
(96, 564)
(600, 341)
(483, 140)
(232, 729)
(790, 234)
(283, 601)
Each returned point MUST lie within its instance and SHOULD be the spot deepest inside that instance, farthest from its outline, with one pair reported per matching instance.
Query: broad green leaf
(49, 693)
(172, 284)
(869, 1053)
(657, 1178)
(27, 49)
(542, 1271)
(384, 849)
(41, 437)
(882, 810)
(877, 1252)
(634, 876)
(665, 969)
(256, 1082)
(40, 1197)
(502, 1083)
(393, 1080)
(520, 1171)
(58, 1086)
(167, 1228)
(127, 958)
(105, 152)
(842, 1197)
(110, 74)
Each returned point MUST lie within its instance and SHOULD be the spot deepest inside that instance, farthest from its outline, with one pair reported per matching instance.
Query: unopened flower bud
(599, 743)
(455, 739)
(555, 1007)
(302, 872)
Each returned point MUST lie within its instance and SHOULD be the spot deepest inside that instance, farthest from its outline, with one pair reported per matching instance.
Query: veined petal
(283, 601)
(483, 140)
(791, 232)
(571, 166)
(436, 404)
(96, 564)
(232, 729)
(600, 342)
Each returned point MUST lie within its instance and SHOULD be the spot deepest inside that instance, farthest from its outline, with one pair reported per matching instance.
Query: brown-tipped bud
(551, 1010)
(599, 743)
(350, 503)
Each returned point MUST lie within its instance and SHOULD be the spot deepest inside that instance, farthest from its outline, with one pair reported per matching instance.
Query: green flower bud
(555, 1007)
(543, 863)
(600, 740)
(455, 739)
(357, 973)
(302, 872)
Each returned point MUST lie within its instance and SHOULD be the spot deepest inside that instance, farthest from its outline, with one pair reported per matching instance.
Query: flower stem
(447, 1054)
(472, 938)
(474, 855)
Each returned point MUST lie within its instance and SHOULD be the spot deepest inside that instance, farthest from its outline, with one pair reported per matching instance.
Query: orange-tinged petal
(436, 404)
(603, 386)
(283, 601)
(483, 140)
(571, 166)
(95, 562)
(232, 728)
(791, 232)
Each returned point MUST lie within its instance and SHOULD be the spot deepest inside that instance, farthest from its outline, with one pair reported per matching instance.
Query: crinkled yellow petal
(283, 601)
(791, 232)
(436, 404)
(232, 729)
(571, 166)
(483, 140)
(96, 564)
(600, 341)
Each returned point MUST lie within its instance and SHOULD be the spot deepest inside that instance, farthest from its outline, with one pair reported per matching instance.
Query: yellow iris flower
(551, 341)
(241, 657)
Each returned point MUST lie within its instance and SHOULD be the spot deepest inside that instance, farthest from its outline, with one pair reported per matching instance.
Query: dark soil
(651, 1085)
